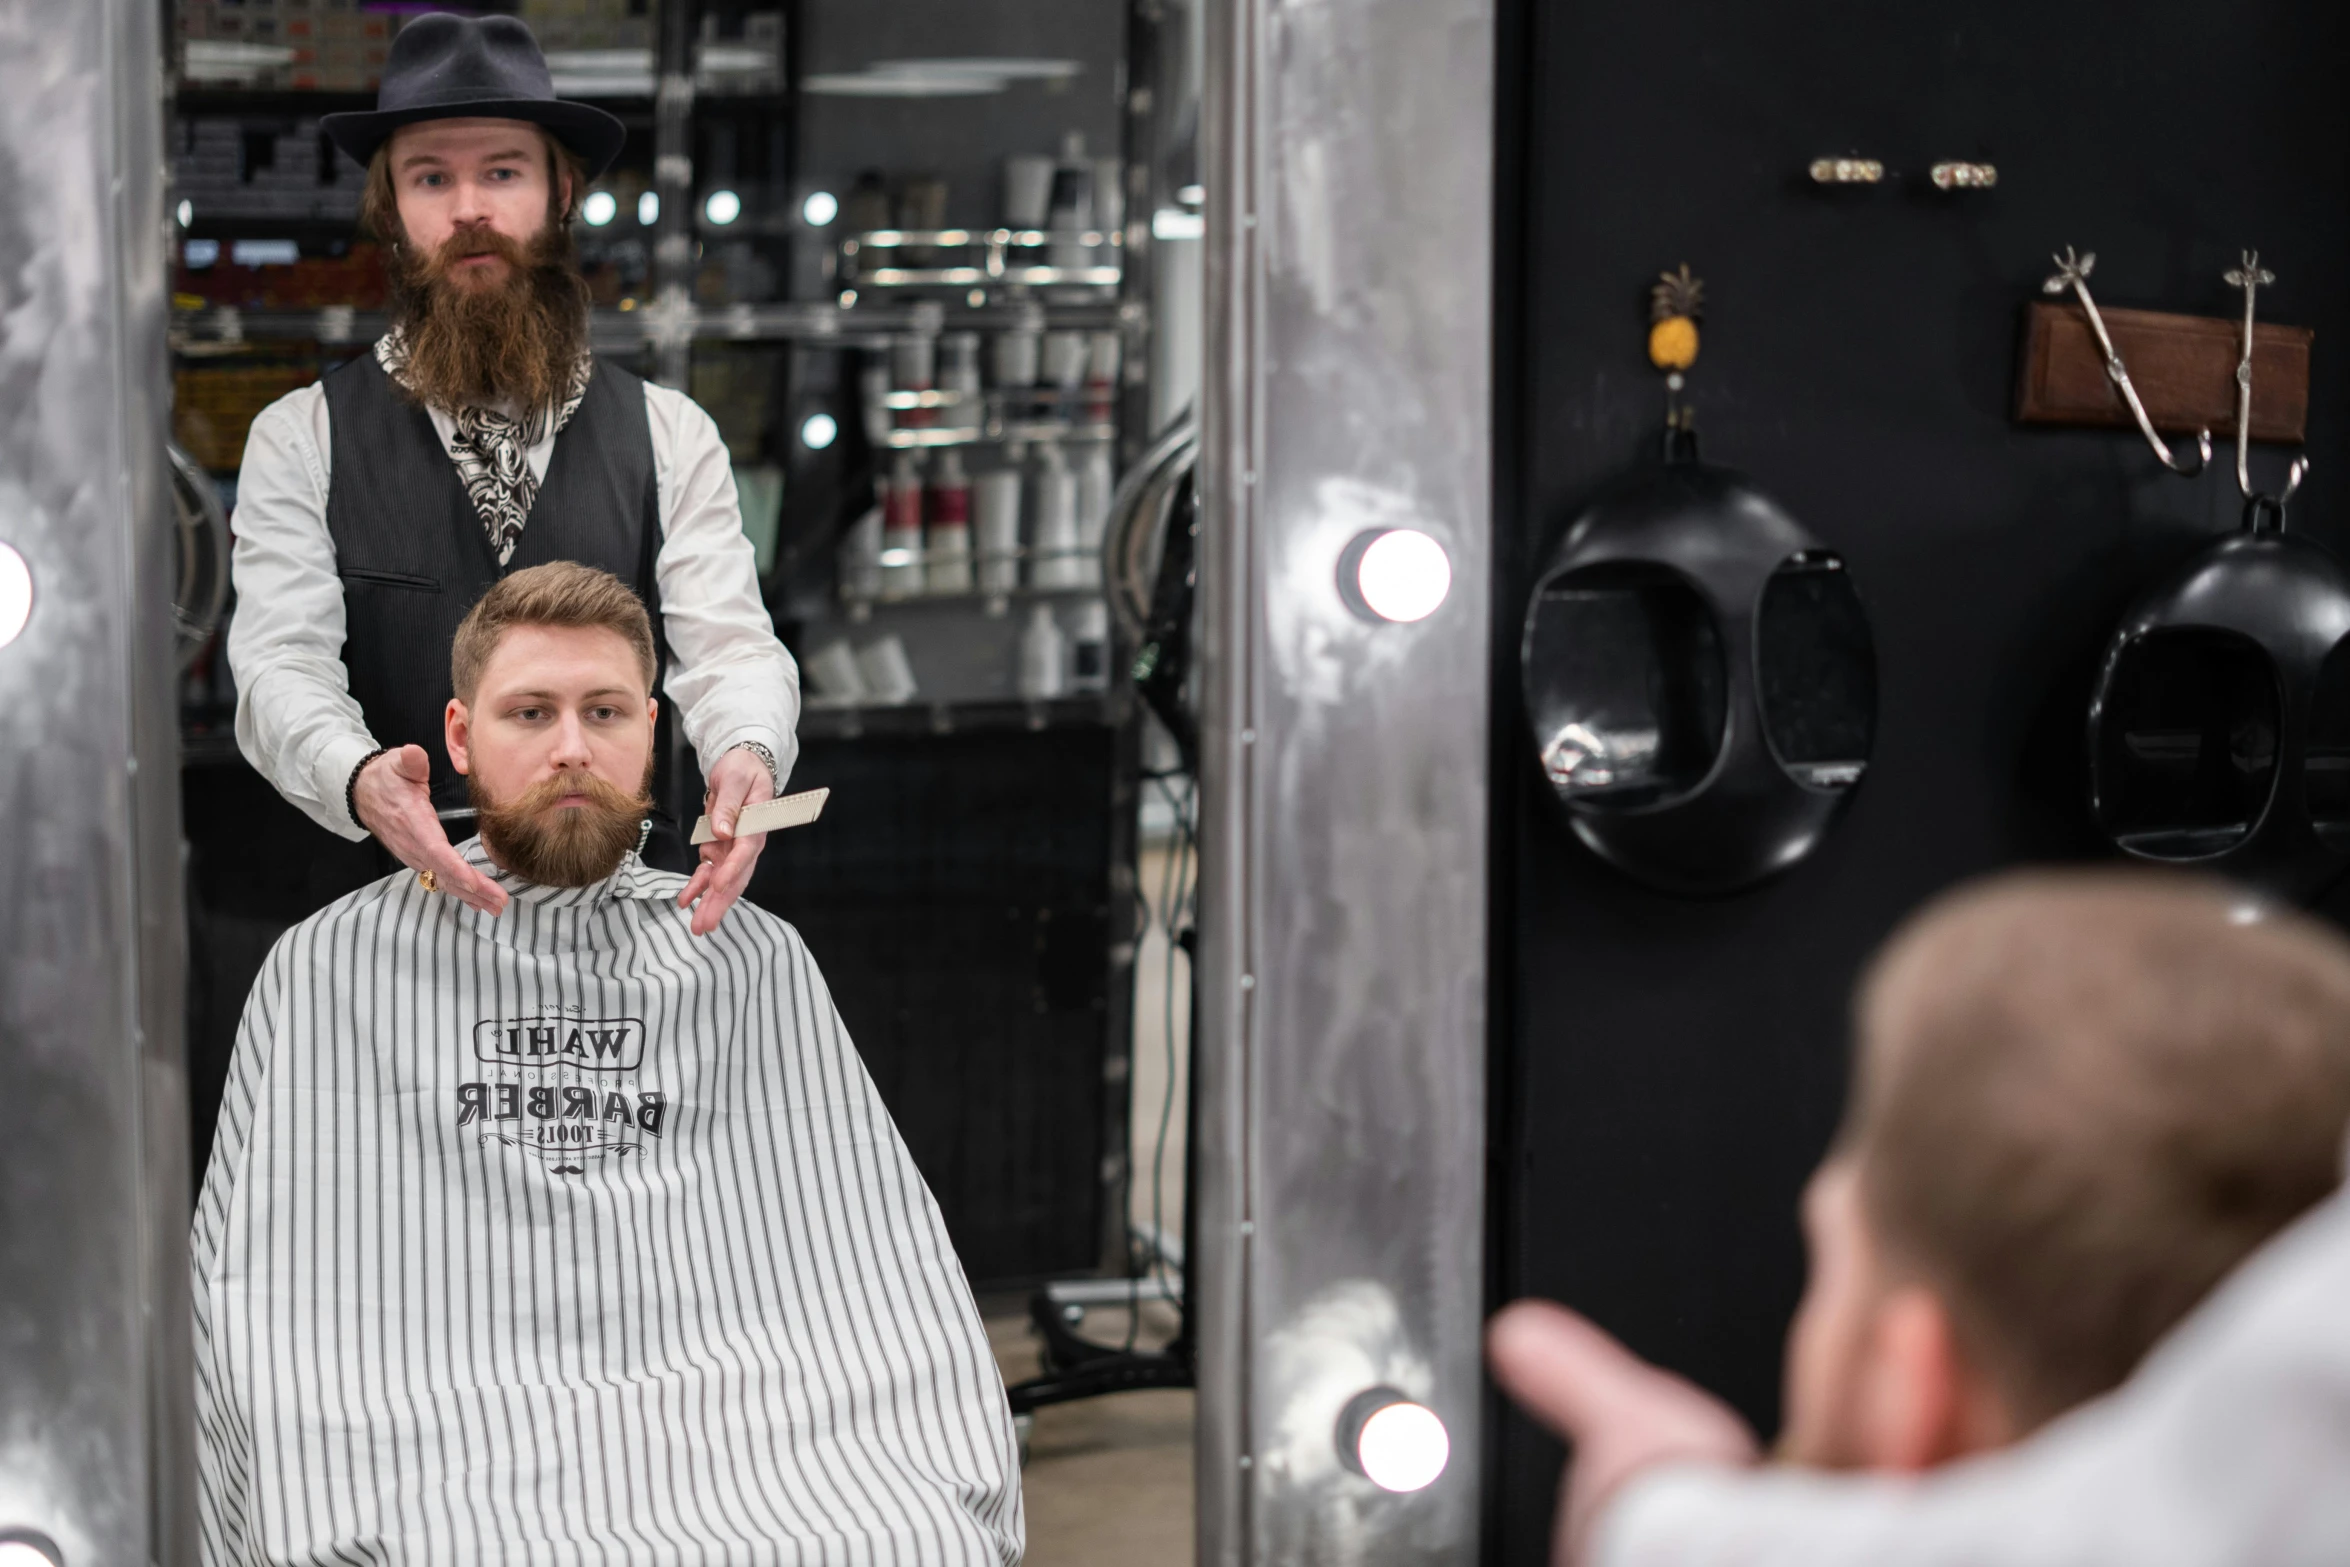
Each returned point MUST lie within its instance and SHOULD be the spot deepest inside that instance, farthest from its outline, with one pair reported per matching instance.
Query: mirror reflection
(909, 292)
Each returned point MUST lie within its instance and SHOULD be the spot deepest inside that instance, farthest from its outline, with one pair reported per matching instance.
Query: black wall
(1668, 1071)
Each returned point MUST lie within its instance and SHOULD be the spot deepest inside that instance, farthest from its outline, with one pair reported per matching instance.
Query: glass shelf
(996, 260)
(1001, 433)
(621, 330)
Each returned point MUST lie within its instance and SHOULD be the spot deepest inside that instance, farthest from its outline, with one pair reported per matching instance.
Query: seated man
(560, 1235)
(2080, 1100)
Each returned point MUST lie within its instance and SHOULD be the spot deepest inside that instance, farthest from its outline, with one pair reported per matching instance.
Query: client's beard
(574, 846)
(514, 342)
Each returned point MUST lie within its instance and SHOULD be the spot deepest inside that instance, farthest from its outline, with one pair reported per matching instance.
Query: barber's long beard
(510, 343)
(555, 846)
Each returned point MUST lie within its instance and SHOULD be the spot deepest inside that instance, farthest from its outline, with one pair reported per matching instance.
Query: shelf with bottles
(334, 51)
(990, 258)
(1000, 433)
(1040, 386)
(1019, 528)
(858, 607)
(1057, 648)
(826, 719)
(197, 320)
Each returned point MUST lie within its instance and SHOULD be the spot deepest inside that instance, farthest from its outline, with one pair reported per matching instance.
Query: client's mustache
(537, 838)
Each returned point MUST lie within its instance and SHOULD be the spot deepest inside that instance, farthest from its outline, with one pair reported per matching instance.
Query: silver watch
(774, 773)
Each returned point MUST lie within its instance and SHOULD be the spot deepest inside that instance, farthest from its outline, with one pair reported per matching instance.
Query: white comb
(792, 810)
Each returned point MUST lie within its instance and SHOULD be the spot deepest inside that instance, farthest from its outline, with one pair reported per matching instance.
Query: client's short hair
(560, 593)
(2082, 1098)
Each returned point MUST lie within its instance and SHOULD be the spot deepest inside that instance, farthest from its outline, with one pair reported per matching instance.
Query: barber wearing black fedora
(479, 437)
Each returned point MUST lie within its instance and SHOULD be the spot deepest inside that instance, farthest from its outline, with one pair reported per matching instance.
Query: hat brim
(587, 130)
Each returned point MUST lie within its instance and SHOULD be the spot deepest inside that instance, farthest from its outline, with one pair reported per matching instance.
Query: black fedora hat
(445, 67)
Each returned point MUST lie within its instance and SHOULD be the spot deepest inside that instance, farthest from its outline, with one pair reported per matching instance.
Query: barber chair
(1700, 679)
(2219, 731)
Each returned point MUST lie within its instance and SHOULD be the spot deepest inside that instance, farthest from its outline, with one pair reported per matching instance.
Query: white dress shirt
(729, 680)
(2230, 1447)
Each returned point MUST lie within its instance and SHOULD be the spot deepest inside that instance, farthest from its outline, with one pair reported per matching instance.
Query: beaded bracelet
(351, 789)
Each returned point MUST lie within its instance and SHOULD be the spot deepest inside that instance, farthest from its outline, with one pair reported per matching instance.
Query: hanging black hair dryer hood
(2219, 732)
(1700, 679)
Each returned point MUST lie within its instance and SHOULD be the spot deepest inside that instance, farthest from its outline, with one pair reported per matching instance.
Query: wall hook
(2252, 277)
(2073, 272)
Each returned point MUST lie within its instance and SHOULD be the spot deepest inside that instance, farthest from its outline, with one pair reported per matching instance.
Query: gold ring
(428, 881)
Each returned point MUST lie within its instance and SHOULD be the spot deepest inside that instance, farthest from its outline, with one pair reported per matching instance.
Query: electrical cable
(1166, 910)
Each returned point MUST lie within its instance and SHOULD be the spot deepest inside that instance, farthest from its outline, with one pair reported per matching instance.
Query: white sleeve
(730, 679)
(2231, 1444)
(297, 722)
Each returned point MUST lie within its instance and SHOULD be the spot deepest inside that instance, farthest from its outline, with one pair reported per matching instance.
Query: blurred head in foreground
(2079, 1100)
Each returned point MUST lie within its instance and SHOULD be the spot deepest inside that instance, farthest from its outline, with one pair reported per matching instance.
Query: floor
(1109, 1479)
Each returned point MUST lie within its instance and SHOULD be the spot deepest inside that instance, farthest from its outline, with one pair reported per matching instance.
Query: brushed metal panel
(94, 1430)
(1342, 977)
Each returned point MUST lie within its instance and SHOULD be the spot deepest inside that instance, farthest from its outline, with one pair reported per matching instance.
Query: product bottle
(1089, 648)
(1095, 482)
(1103, 351)
(913, 367)
(958, 374)
(1053, 548)
(1072, 207)
(947, 544)
(1017, 348)
(873, 397)
(995, 506)
(901, 530)
(860, 560)
(1044, 656)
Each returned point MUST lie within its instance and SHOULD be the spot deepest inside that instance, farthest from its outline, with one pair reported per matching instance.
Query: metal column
(1342, 990)
(95, 1431)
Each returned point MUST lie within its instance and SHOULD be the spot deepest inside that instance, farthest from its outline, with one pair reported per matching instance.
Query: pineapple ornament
(1675, 305)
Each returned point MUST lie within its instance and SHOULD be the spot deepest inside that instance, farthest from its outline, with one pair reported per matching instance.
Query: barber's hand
(394, 800)
(739, 779)
(1621, 1414)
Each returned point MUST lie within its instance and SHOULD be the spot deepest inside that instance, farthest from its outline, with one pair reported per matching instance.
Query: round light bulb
(648, 208)
(599, 208)
(722, 207)
(821, 207)
(817, 431)
(1395, 574)
(187, 213)
(1403, 1447)
(25, 1548)
(16, 598)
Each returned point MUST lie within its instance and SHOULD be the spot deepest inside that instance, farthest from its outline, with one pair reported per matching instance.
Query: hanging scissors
(2073, 273)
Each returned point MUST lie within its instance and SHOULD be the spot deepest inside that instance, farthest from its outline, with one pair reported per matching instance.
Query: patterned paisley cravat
(492, 449)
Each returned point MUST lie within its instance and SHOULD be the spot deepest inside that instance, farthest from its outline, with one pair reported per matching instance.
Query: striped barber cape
(568, 1237)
